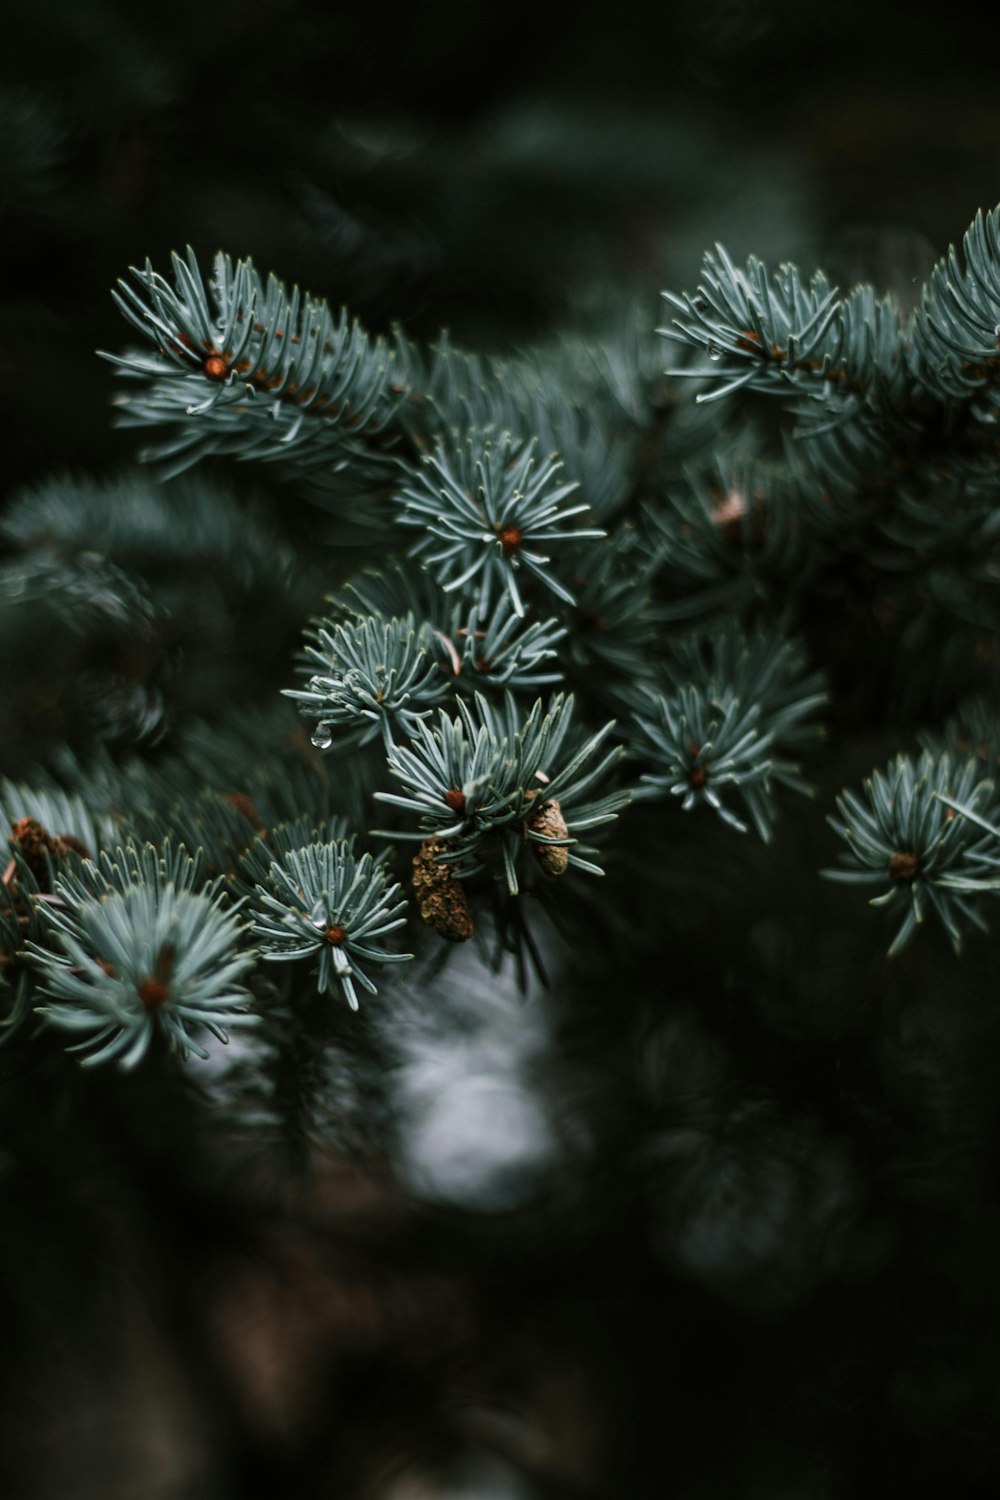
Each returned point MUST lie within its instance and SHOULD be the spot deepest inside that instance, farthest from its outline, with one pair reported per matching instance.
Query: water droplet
(322, 736)
(714, 354)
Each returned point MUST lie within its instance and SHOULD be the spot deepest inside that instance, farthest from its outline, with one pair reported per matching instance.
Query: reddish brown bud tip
(511, 538)
(215, 367)
(335, 935)
(456, 801)
(153, 993)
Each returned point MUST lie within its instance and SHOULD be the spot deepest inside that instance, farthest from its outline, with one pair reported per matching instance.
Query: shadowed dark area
(716, 1213)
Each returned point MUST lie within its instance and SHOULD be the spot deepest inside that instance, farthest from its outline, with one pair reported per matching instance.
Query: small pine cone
(549, 821)
(440, 894)
(35, 842)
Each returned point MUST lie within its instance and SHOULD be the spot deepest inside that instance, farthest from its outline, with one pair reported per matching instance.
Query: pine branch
(140, 952)
(503, 651)
(906, 834)
(375, 677)
(321, 901)
(775, 333)
(957, 327)
(250, 370)
(477, 782)
(741, 698)
(484, 506)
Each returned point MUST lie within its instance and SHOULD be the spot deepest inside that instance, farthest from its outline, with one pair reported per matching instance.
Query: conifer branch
(249, 369)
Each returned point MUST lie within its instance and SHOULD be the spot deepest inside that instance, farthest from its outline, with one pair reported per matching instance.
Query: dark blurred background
(480, 166)
(504, 170)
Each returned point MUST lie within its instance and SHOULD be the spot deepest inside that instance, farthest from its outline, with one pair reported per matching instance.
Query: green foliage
(323, 901)
(742, 697)
(62, 813)
(483, 507)
(774, 333)
(248, 369)
(702, 742)
(137, 951)
(477, 781)
(741, 529)
(955, 332)
(572, 517)
(504, 650)
(905, 834)
(375, 676)
(616, 618)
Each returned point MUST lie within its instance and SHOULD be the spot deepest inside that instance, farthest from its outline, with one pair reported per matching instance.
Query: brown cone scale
(35, 842)
(441, 897)
(549, 821)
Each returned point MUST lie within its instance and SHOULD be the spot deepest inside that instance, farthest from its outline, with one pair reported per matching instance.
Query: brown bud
(441, 897)
(511, 538)
(153, 993)
(903, 865)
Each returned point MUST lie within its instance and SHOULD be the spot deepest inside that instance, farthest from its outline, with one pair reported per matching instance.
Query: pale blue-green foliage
(224, 783)
(761, 665)
(247, 368)
(284, 839)
(375, 677)
(701, 742)
(20, 924)
(559, 396)
(772, 331)
(504, 650)
(501, 468)
(737, 699)
(477, 780)
(59, 812)
(926, 829)
(957, 324)
(137, 946)
(896, 412)
(484, 504)
(325, 902)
